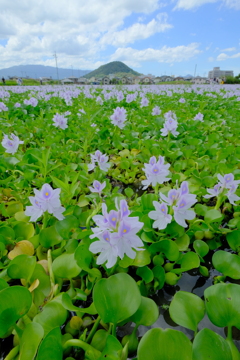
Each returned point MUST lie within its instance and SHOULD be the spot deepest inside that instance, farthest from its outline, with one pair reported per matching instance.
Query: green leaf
(168, 247)
(30, 340)
(213, 216)
(83, 255)
(49, 237)
(145, 273)
(187, 309)
(66, 227)
(24, 230)
(189, 261)
(147, 313)
(108, 299)
(15, 302)
(209, 345)
(67, 304)
(142, 258)
(201, 248)
(22, 267)
(52, 315)
(233, 239)
(222, 304)
(159, 344)
(51, 347)
(182, 242)
(226, 263)
(65, 266)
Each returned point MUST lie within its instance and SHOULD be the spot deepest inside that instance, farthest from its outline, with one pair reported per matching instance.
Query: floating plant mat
(120, 223)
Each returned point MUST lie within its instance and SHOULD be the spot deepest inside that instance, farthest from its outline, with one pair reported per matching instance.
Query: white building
(216, 73)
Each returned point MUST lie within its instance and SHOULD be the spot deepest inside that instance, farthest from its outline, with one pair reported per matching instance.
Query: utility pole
(55, 56)
(195, 70)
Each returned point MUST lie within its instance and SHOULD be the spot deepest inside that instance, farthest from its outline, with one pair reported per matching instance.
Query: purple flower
(181, 200)
(17, 105)
(182, 100)
(47, 199)
(119, 117)
(199, 117)
(3, 107)
(32, 101)
(156, 111)
(11, 144)
(60, 121)
(144, 102)
(116, 232)
(170, 124)
(120, 96)
(101, 160)
(97, 187)
(107, 247)
(81, 111)
(160, 215)
(156, 172)
(99, 100)
(225, 182)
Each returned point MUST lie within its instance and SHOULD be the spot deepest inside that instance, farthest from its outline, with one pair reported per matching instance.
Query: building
(216, 73)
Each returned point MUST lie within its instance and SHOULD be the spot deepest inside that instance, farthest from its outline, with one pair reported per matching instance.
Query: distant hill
(37, 71)
(113, 67)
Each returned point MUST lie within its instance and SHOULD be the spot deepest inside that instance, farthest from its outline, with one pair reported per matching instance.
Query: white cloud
(224, 56)
(193, 4)
(71, 28)
(211, 59)
(166, 54)
(137, 32)
(229, 49)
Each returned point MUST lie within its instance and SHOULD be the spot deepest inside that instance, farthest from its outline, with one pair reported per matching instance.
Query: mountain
(113, 67)
(37, 71)
(188, 76)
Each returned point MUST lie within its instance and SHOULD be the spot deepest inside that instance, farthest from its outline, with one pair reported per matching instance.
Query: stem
(51, 275)
(114, 330)
(13, 353)
(83, 345)
(229, 333)
(219, 202)
(156, 189)
(93, 330)
(45, 220)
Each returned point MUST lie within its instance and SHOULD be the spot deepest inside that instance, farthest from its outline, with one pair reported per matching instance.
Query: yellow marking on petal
(155, 170)
(163, 210)
(124, 230)
(46, 193)
(107, 239)
(114, 219)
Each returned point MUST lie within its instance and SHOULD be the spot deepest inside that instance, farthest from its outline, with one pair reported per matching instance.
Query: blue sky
(172, 37)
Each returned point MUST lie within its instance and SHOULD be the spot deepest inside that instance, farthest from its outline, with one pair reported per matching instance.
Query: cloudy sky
(152, 36)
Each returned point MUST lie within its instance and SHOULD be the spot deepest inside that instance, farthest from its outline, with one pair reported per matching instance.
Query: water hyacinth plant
(128, 225)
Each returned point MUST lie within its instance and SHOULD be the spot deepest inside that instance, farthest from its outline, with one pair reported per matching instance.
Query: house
(157, 79)
(66, 81)
(147, 80)
(126, 80)
(82, 81)
(200, 80)
(105, 80)
(179, 78)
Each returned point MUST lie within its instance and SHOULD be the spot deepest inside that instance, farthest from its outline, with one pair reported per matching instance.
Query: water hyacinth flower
(119, 117)
(80, 112)
(144, 102)
(99, 100)
(100, 159)
(47, 199)
(226, 186)
(156, 110)
(17, 105)
(60, 121)
(182, 100)
(156, 172)
(11, 144)
(199, 117)
(3, 107)
(33, 101)
(170, 124)
(97, 187)
(179, 201)
(117, 234)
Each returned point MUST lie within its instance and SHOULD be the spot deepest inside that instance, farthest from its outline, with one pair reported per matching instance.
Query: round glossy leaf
(222, 304)
(30, 340)
(226, 263)
(183, 242)
(142, 258)
(53, 315)
(201, 247)
(116, 298)
(22, 267)
(51, 347)
(168, 247)
(209, 345)
(24, 230)
(189, 261)
(7, 233)
(13, 208)
(233, 239)
(159, 344)
(147, 313)
(187, 309)
(66, 226)
(83, 255)
(145, 273)
(22, 247)
(213, 216)
(65, 266)
(15, 302)
(49, 237)
(67, 304)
